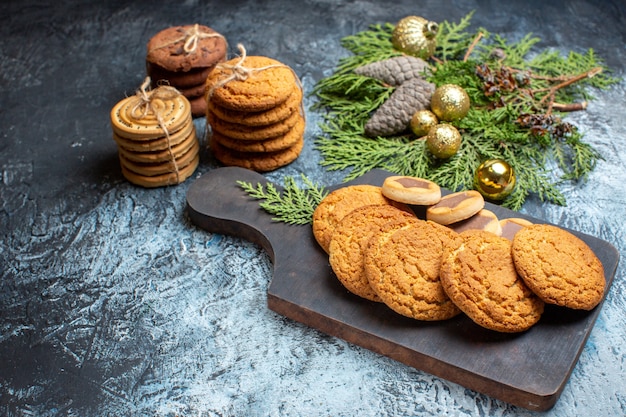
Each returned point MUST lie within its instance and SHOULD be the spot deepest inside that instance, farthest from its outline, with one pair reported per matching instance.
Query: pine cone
(394, 115)
(395, 71)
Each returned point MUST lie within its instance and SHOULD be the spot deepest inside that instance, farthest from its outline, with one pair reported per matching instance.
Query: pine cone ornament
(395, 71)
(394, 115)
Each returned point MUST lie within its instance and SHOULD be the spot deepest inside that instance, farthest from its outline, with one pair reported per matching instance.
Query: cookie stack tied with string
(254, 111)
(156, 137)
(183, 57)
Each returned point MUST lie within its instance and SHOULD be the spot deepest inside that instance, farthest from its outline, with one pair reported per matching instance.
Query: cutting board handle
(218, 204)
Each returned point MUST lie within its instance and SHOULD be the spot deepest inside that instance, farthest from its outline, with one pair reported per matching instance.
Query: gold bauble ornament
(422, 121)
(494, 179)
(450, 102)
(415, 36)
(443, 141)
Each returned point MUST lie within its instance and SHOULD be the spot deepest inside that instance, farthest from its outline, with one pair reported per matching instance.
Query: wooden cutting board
(529, 369)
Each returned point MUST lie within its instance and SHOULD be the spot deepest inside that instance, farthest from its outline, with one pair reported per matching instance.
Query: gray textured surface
(113, 303)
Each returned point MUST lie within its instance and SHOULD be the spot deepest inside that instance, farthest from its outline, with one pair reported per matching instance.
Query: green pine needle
(293, 205)
(490, 130)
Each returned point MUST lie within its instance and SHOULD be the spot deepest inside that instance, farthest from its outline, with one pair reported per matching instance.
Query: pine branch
(518, 97)
(453, 40)
(294, 205)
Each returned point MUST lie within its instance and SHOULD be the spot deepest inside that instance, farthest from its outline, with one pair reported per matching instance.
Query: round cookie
(278, 143)
(261, 118)
(198, 106)
(162, 180)
(478, 274)
(130, 121)
(349, 241)
(192, 92)
(402, 265)
(157, 144)
(256, 161)
(167, 48)
(558, 266)
(268, 84)
(243, 132)
(411, 190)
(483, 220)
(455, 207)
(166, 154)
(336, 205)
(151, 169)
(512, 225)
(180, 80)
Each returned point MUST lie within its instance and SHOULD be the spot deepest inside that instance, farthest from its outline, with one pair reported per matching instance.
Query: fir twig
(514, 114)
(293, 205)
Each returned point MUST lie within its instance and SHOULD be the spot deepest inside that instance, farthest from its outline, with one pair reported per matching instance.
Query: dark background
(113, 303)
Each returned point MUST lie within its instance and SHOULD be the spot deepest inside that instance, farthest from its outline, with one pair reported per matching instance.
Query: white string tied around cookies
(191, 37)
(150, 102)
(241, 73)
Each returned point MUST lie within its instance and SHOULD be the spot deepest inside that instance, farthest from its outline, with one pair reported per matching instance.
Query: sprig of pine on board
(292, 205)
(522, 125)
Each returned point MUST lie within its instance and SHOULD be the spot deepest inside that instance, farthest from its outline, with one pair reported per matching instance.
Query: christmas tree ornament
(396, 70)
(422, 121)
(415, 36)
(450, 102)
(494, 179)
(394, 115)
(443, 141)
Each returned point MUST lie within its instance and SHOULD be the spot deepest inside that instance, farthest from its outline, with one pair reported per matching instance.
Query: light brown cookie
(479, 276)
(150, 157)
(255, 133)
(152, 169)
(402, 265)
(267, 84)
(131, 120)
(261, 118)
(455, 207)
(256, 161)
(162, 180)
(275, 144)
(349, 241)
(411, 190)
(558, 266)
(512, 225)
(483, 220)
(159, 143)
(336, 205)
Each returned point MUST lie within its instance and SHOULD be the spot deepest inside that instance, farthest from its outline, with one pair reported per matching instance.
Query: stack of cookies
(156, 137)
(183, 57)
(255, 113)
(423, 269)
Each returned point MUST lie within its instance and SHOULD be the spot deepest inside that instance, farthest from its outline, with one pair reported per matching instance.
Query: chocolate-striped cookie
(455, 207)
(411, 190)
